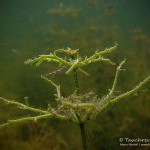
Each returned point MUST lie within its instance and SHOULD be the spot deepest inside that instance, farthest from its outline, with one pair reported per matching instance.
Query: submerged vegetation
(77, 108)
(61, 10)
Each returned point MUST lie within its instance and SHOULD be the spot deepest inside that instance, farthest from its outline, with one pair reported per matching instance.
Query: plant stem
(76, 82)
(81, 125)
(76, 79)
(83, 136)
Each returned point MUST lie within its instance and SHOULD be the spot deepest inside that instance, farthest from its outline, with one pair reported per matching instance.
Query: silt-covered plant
(77, 108)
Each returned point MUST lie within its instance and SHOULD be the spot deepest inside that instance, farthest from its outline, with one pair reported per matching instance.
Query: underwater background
(32, 27)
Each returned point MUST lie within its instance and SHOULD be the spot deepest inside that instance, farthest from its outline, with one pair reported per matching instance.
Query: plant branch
(25, 119)
(134, 90)
(118, 70)
(131, 92)
(22, 106)
(56, 86)
(116, 76)
(98, 54)
(49, 58)
(73, 66)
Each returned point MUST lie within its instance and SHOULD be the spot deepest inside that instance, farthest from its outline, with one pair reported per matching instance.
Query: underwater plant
(77, 108)
(62, 10)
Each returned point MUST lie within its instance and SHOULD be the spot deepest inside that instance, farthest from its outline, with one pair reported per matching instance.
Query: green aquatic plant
(77, 108)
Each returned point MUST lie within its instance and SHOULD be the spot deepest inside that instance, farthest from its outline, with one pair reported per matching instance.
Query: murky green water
(29, 28)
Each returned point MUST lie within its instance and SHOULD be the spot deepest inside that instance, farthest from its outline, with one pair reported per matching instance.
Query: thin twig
(22, 106)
